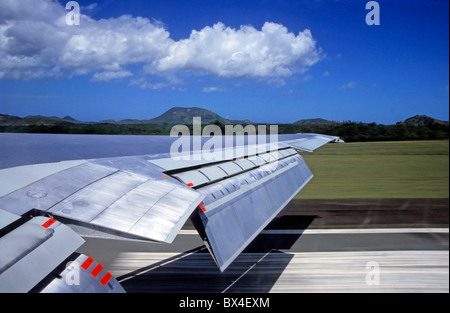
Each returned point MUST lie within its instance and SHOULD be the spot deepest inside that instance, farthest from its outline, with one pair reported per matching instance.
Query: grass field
(408, 169)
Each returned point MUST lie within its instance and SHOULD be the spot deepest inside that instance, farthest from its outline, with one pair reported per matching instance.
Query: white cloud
(35, 38)
(110, 75)
(36, 42)
(246, 52)
(212, 89)
(145, 84)
(349, 85)
(89, 7)
(114, 43)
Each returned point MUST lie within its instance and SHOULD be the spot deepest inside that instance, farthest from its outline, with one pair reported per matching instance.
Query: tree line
(348, 131)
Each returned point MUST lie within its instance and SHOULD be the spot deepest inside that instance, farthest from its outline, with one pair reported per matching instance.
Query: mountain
(70, 119)
(419, 127)
(312, 121)
(35, 120)
(173, 116)
(9, 119)
(423, 120)
(179, 115)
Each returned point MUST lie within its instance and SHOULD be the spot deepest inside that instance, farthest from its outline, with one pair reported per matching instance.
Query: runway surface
(345, 246)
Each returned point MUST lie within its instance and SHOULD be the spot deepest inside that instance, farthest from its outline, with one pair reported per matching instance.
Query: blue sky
(267, 61)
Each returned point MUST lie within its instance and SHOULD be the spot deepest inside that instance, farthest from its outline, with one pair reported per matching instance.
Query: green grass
(407, 169)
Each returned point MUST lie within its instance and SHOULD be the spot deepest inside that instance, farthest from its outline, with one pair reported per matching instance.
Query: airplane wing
(230, 198)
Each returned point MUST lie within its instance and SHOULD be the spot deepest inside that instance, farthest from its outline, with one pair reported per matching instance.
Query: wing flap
(233, 217)
(108, 196)
(50, 190)
(164, 219)
(6, 218)
(31, 251)
(90, 201)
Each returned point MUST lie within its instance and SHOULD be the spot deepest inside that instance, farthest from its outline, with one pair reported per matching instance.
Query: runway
(294, 254)
(398, 271)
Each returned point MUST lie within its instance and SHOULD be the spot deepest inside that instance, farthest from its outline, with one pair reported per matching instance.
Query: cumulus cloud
(36, 42)
(113, 43)
(246, 52)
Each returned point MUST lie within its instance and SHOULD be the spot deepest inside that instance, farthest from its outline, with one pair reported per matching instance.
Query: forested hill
(419, 127)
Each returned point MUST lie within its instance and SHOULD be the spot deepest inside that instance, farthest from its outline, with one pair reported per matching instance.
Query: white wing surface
(230, 198)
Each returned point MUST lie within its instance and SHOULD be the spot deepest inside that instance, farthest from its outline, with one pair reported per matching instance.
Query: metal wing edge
(37, 252)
